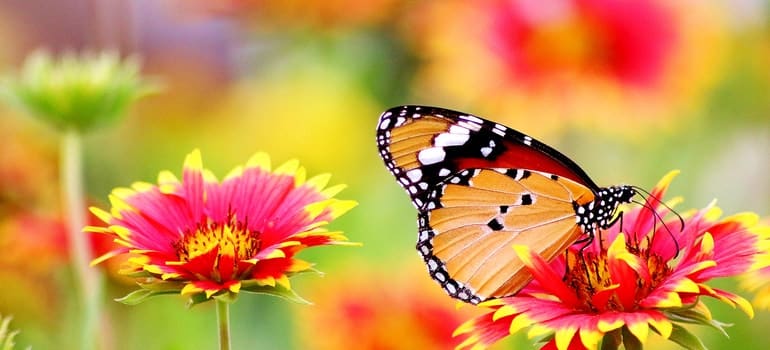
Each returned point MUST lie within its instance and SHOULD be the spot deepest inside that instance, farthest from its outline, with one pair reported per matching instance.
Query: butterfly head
(601, 211)
(622, 193)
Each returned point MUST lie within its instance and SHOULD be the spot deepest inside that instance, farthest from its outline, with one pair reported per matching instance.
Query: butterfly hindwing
(478, 214)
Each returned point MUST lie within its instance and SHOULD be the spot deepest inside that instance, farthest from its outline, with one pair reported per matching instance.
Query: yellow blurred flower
(313, 113)
(597, 62)
(321, 14)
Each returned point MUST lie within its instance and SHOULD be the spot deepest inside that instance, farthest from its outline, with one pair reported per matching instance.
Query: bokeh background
(628, 89)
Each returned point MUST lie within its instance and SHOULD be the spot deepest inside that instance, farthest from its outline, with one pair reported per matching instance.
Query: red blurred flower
(590, 60)
(34, 248)
(374, 310)
(627, 41)
(640, 282)
(206, 238)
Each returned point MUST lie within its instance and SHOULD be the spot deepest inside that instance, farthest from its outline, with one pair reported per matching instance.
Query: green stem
(223, 319)
(88, 280)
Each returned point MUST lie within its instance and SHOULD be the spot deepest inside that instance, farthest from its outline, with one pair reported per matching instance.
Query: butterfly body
(480, 187)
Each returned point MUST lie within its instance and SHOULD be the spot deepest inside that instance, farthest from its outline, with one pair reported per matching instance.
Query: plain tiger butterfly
(480, 187)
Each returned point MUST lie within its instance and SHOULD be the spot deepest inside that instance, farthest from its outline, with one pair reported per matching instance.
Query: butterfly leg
(586, 242)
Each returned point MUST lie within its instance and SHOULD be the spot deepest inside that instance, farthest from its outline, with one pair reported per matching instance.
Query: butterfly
(480, 187)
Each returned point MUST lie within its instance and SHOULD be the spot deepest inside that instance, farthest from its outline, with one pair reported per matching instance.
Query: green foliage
(687, 340)
(7, 335)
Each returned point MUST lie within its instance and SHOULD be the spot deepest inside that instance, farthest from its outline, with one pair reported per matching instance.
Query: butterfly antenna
(649, 195)
(660, 218)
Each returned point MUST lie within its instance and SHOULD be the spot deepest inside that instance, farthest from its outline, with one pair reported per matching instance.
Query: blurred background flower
(378, 309)
(307, 80)
(591, 63)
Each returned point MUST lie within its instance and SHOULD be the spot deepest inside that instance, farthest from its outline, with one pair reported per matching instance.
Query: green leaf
(141, 295)
(278, 291)
(612, 340)
(687, 340)
(196, 299)
(309, 270)
(162, 286)
(630, 341)
(139, 274)
(694, 317)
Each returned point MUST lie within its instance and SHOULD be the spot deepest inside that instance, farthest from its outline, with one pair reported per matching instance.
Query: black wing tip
(423, 109)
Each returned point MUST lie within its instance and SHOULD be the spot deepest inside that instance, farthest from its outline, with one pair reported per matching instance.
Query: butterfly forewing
(422, 146)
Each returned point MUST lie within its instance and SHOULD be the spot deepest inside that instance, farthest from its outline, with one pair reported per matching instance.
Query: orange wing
(475, 217)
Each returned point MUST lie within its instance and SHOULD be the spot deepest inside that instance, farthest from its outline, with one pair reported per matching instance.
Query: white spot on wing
(456, 129)
(469, 125)
(385, 123)
(485, 151)
(472, 118)
(443, 172)
(431, 155)
(414, 175)
(432, 265)
(447, 139)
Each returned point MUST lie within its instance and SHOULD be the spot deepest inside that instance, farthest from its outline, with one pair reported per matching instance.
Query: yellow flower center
(598, 290)
(232, 238)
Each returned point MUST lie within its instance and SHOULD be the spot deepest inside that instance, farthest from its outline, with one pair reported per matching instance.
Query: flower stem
(223, 319)
(89, 281)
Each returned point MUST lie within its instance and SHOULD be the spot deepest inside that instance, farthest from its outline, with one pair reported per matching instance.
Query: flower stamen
(232, 239)
(595, 285)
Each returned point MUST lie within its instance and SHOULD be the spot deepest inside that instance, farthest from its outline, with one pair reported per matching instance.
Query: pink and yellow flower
(592, 60)
(204, 238)
(650, 278)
